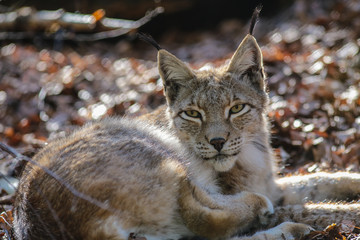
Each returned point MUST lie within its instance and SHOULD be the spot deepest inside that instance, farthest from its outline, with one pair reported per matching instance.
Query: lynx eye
(193, 113)
(239, 108)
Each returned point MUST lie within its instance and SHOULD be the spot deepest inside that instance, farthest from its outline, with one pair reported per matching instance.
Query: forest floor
(312, 64)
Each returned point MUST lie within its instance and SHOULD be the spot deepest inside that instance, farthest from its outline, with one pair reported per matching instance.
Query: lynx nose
(218, 143)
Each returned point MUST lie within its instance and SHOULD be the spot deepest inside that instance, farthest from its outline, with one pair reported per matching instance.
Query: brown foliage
(313, 68)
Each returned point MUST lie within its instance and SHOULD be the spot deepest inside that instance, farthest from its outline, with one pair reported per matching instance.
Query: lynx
(201, 166)
(221, 117)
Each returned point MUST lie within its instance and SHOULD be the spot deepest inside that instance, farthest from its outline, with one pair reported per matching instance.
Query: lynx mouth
(222, 162)
(221, 157)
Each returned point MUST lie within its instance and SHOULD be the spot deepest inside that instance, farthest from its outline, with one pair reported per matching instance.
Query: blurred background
(63, 63)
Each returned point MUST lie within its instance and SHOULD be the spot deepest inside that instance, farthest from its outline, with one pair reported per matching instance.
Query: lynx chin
(200, 166)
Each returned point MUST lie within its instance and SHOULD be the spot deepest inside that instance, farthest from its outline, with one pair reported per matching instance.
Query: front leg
(319, 187)
(217, 216)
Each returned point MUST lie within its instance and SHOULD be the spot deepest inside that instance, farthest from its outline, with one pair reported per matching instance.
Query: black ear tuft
(149, 39)
(254, 18)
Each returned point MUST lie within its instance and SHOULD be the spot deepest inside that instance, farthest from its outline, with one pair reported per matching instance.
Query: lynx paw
(290, 230)
(251, 209)
(284, 231)
(267, 210)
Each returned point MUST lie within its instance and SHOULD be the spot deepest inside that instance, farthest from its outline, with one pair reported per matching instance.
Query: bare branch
(77, 22)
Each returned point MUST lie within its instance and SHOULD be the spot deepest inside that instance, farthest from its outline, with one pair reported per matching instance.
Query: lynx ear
(174, 73)
(247, 61)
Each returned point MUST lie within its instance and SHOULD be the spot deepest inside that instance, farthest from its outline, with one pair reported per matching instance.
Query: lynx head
(218, 113)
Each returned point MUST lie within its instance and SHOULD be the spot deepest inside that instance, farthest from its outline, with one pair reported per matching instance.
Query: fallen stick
(64, 25)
